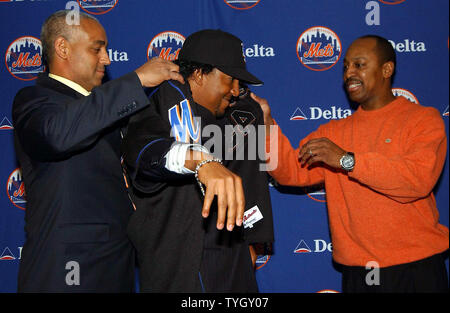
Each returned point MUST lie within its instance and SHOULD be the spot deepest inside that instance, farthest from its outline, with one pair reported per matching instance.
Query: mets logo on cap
(392, 1)
(97, 7)
(166, 45)
(318, 48)
(15, 189)
(23, 58)
(405, 93)
(241, 4)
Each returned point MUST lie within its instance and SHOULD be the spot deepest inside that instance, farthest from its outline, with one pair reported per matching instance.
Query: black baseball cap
(219, 49)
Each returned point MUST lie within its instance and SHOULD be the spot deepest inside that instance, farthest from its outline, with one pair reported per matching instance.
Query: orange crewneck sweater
(384, 210)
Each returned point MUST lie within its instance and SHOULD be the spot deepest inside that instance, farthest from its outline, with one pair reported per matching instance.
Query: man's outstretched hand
(220, 182)
(156, 70)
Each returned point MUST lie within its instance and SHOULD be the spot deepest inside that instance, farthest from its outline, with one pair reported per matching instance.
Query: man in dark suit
(67, 137)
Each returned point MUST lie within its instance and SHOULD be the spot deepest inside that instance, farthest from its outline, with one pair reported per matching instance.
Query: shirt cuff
(176, 157)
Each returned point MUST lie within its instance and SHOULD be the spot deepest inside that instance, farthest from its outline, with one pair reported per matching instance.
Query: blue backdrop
(295, 46)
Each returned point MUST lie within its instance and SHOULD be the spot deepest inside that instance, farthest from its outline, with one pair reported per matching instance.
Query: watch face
(347, 162)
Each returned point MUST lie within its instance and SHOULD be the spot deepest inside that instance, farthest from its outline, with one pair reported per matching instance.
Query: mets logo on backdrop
(23, 58)
(15, 189)
(392, 1)
(318, 48)
(405, 93)
(261, 261)
(241, 4)
(166, 45)
(327, 291)
(97, 7)
(318, 196)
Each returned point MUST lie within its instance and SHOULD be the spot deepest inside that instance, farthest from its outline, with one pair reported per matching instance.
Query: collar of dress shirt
(70, 84)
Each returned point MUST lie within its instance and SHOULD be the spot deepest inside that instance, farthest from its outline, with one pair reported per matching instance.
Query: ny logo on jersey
(183, 126)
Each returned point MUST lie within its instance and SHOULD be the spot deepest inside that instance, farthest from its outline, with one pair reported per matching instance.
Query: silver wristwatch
(348, 161)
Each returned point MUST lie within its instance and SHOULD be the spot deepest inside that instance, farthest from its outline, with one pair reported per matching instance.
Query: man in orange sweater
(379, 167)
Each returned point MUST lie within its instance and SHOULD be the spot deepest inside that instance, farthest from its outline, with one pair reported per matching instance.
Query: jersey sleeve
(150, 137)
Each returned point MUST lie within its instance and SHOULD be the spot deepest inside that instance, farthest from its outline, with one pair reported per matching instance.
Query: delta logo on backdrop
(117, 56)
(445, 112)
(7, 255)
(318, 48)
(97, 7)
(166, 45)
(5, 124)
(258, 50)
(408, 45)
(316, 113)
(320, 246)
(23, 58)
(241, 4)
(15, 189)
(336, 112)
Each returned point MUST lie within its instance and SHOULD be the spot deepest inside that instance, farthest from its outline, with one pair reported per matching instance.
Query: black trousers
(226, 262)
(426, 275)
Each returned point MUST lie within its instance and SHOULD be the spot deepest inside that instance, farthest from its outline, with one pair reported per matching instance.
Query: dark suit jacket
(77, 204)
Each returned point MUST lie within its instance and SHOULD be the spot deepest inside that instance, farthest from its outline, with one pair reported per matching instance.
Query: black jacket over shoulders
(167, 228)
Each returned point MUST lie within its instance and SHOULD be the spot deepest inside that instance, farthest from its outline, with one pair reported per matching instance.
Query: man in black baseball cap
(221, 50)
(178, 250)
(212, 61)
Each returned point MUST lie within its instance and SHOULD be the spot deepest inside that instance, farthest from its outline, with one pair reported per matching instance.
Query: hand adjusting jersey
(178, 250)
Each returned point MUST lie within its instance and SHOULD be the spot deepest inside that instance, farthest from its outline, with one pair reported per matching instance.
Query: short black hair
(187, 68)
(385, 50)
(54, 26)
